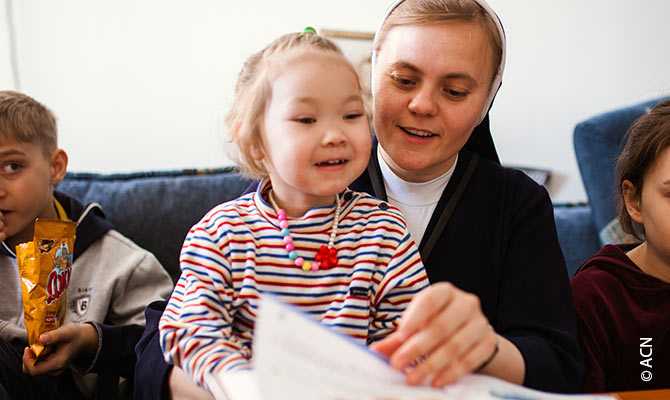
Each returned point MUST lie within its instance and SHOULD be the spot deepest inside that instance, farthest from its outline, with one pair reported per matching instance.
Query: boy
(112, 281)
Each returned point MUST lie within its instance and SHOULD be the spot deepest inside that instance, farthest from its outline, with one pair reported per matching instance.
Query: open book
(297, 358)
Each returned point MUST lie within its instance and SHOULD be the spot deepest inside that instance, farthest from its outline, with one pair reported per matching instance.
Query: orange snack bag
(45, 266)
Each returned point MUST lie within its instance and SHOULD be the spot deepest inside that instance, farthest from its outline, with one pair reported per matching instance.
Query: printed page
(295, 357)
(237, 385)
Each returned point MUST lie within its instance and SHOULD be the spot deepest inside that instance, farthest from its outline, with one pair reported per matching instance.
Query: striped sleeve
(403, 278)
(196, 329)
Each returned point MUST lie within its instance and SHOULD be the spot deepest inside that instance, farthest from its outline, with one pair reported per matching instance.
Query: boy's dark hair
(25, 120)
(646, 138)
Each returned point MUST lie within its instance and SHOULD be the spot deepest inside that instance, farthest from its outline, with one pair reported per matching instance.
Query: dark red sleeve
(592, 335)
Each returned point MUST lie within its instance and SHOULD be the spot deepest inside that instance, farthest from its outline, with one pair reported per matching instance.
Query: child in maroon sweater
(622, 294)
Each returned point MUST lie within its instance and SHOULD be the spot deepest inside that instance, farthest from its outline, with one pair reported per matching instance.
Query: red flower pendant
(326, 257)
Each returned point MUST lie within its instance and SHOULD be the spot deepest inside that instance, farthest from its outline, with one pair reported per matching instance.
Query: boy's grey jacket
(112, 281)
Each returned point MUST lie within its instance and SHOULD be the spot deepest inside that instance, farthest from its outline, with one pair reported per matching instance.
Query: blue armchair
(598, 142)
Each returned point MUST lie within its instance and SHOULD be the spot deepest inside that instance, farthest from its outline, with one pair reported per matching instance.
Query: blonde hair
(25, 120)
(416, 12)
(252, 93)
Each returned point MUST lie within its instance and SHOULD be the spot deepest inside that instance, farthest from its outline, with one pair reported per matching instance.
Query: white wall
(141, 85)
(567, 61)
(6, 80)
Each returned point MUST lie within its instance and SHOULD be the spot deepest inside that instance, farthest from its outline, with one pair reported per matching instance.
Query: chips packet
(45, 266)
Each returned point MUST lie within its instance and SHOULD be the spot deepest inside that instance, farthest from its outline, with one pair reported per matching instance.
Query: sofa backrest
(598, 142)
(156, 209)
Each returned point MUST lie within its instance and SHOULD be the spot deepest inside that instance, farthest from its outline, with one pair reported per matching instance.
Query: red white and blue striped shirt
(236, 252)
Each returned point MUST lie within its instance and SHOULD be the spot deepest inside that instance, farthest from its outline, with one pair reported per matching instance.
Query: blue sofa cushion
(598, 142)
(156, 209)
(576, 234)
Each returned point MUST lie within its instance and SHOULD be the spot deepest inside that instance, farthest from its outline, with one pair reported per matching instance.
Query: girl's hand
(67, 343)
(183, 388)
(442, 336)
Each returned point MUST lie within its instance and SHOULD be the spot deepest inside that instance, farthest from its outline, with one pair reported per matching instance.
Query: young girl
(298, 122)
(622, 294)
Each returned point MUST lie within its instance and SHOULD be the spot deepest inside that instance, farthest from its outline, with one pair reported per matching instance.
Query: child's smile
(316, 137)
(331, 163)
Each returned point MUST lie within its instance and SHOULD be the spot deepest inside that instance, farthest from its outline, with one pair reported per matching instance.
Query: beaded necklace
(327, 255)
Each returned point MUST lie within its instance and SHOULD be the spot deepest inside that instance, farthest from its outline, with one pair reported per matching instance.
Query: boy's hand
(67, 342)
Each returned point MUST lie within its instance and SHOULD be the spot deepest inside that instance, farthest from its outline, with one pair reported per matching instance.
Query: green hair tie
(309, 29)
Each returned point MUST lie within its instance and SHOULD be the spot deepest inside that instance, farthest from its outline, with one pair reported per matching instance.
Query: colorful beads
(326, 257)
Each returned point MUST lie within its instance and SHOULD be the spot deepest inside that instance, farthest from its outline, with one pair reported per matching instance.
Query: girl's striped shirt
(236, 252)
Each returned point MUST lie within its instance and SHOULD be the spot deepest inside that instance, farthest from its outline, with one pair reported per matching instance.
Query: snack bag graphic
(45, 267)
(59, 277)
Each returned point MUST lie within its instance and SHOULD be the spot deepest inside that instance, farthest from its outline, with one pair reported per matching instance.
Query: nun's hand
(442, 336)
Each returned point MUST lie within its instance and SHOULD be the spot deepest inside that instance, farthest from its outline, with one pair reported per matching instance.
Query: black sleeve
(117, 353)
(536, 310)
(151, 371)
